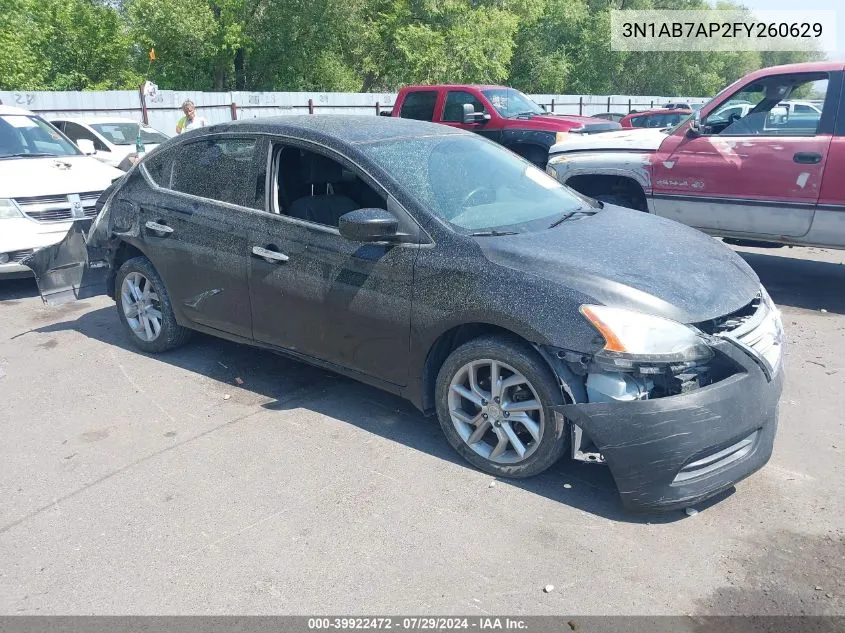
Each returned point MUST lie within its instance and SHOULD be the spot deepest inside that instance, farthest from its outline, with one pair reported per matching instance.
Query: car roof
(455, 86)
(347, 128)
(805, 67)
(4, 109)
(661, 111)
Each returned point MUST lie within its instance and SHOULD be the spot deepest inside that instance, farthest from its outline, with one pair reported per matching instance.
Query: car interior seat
(325, 207)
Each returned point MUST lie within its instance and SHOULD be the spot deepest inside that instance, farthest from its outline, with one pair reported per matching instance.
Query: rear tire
(509, 430)
(145, 308)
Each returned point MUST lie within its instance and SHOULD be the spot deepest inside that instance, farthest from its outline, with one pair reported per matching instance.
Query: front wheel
(493, 402)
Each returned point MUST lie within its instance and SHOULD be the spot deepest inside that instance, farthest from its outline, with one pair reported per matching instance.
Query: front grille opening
(730, 321)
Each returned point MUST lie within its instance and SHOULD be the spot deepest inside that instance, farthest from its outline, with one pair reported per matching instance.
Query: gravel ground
(162, 485)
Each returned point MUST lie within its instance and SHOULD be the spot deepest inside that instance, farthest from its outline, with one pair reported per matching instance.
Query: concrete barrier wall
(163, 109)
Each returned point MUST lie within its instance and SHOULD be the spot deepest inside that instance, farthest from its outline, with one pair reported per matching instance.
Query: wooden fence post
(311, 106)
(233, 108)
(580, 106)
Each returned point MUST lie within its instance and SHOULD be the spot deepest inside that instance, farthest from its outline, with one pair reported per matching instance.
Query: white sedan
(114, 139)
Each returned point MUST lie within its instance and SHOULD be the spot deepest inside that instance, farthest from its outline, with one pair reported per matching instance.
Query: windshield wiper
(569, 214)
(28, 155)
(493, 233)
(528, 114)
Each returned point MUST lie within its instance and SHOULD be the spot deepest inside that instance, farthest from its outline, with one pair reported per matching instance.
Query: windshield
(510, 103)
(24, 135)
(127, 133)
(474, 184)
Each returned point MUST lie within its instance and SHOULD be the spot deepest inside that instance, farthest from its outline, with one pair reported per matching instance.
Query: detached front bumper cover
(675, 451)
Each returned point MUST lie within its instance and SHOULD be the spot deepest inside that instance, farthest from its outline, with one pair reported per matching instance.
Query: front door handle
(273, 257)
(807, 158)
(159, 228)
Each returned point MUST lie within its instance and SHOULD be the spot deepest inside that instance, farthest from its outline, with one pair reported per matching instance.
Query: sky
(808, 5)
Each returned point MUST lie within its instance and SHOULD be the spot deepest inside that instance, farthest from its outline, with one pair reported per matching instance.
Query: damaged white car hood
(634, 139)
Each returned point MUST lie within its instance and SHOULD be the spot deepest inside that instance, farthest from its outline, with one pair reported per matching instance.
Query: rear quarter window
(159, 166)
(419, 104)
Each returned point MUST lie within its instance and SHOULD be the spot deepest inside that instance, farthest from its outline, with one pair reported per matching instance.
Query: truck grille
(15, 257)
(47, 209)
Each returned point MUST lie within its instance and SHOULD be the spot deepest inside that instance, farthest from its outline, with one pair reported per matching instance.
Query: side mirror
(471, 116)
(368, 225)
(87, 146)
(695, 127)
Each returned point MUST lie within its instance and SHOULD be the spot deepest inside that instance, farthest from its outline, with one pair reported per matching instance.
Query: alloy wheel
(141, 306)
(496, 411)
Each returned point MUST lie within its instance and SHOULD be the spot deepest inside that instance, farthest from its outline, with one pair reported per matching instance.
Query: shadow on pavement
(784, 572)
(288, 384)
(800, 283)
(11, 290)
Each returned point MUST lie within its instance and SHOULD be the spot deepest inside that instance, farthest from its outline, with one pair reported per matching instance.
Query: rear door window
(221, 169)
(419, 104)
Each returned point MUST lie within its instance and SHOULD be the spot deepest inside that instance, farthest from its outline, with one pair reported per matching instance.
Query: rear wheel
(493, 398)
(145, 309)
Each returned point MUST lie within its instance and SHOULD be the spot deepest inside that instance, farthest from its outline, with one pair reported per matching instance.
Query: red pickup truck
(753, 164)
(499, 113)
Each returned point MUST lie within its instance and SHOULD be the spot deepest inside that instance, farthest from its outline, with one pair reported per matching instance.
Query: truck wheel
(493, 397)
(145, 309)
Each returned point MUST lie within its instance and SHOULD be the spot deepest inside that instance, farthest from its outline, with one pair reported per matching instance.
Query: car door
(452, 114)
(751, 175)
(316, 293)
(194, 229)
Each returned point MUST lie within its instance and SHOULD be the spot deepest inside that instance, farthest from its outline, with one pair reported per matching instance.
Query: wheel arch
(450, 340)
(623, 185)
(123, 252)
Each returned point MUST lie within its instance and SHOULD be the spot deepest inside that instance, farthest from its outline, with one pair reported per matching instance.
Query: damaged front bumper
(674, 451)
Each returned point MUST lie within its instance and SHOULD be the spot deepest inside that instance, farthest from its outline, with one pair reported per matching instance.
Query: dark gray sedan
(437, 265)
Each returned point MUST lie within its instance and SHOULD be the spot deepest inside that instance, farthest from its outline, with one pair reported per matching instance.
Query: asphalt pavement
(218, 479)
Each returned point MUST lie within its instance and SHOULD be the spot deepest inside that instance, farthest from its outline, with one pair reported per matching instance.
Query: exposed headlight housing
(632, 338)
(8, 209)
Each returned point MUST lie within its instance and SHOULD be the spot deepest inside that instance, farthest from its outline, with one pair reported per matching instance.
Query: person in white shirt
(190, 121)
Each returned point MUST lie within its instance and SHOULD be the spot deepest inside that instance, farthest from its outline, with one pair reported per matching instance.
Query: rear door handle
(159, 228)
(274, 257)
(807, 158)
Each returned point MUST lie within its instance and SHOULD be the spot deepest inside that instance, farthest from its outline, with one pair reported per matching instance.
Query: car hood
(634, 260)
(27, 177)
(644, 139)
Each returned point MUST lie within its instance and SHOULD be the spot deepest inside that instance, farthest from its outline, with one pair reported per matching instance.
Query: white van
(46, 184)
(113, 138)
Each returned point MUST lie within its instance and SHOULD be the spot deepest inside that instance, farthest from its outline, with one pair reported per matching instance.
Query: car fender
(634, 165)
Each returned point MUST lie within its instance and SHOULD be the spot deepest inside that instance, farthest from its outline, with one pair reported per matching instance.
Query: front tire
(145, 308)
(493, 403)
